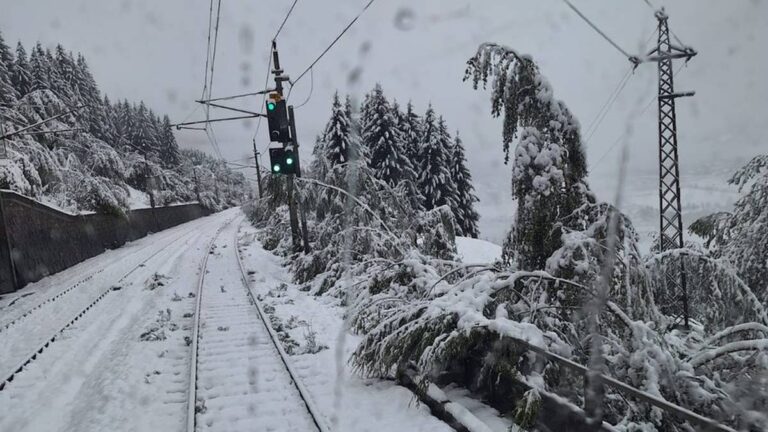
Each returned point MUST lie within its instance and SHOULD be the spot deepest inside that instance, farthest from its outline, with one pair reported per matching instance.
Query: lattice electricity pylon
(670, 214)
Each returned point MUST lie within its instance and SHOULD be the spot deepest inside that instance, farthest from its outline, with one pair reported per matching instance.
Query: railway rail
(232, 338)
(31, 311)
(8, 375)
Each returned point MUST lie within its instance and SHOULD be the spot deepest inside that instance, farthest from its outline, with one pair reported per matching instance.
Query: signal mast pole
(670, 210)
(293, 215)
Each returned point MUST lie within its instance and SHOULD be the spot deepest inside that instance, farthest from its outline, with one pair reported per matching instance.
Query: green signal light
(289, 160)
(271, 106)
(276, 168)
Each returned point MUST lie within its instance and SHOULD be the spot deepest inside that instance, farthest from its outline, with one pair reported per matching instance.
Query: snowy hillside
(472, 250)
(86, 153)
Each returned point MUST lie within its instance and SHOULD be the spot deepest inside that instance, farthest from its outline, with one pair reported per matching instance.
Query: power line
(311, 88)
(608, 108)
(285, 19)
(611, 98)
(215, 44)
(603, 112)
(624, 134)
(591, 24)
(208, 51)
(269, 66)
(209, 132)
(351, 23)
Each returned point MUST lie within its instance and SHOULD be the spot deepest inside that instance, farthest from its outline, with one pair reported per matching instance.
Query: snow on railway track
(16, 356)
(115, 369)
(16, 317)
(240, 377)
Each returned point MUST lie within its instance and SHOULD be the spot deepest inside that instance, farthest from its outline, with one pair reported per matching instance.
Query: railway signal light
(283, 161)
(277, 118)
(276, 160)
(291, 161)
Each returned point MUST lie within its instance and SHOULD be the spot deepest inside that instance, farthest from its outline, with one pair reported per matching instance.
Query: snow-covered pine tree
(368, 114)
(22, 77)
(90, 95)
(410, 126)
(56, 82)
(337, 138)
(39, 67)
(356, 148)
(142, 133)
(8, 93)
(466, 216)
(434, 177)
(382, 139)
(169, 149)
(64, 80)
(123, 124)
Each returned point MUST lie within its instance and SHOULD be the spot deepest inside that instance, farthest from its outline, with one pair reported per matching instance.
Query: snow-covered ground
(477, 251)
(99, 374)
(124, 364)
(313, 329)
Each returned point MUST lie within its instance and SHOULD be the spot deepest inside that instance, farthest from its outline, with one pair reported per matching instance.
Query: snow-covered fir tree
(410, 125)
(434, 177)
(465, 213)
(39, 68)
(381, 137)
(22, 77)
(337, 139)
(8, 93)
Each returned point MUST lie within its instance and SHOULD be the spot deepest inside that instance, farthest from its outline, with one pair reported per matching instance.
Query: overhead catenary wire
(311, 88)
(209, 74)
(208, 52)
(215, 45)
(607, 104)
(624, 134)
(603, 112)
(269, 68)
(351, 23)
(597, 29)
(279, 29)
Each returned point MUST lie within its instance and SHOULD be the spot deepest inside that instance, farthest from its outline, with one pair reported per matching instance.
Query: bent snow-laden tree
(464, 324)
(741, 236)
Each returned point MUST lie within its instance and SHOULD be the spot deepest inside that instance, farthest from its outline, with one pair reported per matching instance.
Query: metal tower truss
(670, 215)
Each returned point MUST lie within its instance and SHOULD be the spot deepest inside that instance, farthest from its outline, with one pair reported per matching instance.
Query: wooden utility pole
(294, 137)
(294, 219)
(258, 167)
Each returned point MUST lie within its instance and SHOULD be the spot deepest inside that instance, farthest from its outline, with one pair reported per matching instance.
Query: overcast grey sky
(155, 51)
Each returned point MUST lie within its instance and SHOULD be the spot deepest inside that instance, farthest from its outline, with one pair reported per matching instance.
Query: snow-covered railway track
(43, 306)
(240, 377)
(24, 361)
